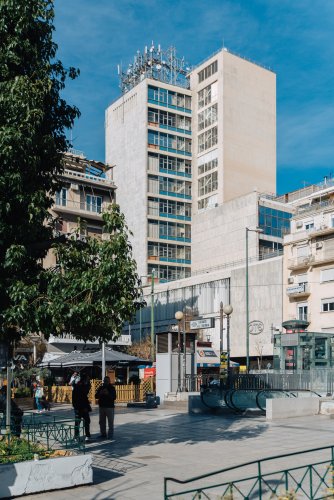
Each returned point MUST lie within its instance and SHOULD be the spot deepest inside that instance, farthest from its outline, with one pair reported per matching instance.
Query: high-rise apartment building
(185, 142)
(148, 138)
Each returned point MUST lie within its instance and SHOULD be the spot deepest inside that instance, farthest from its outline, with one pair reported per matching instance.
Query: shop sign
(149, 372)
(255, 327)
(198, 324)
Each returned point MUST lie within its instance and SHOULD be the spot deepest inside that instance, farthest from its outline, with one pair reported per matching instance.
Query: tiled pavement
(151, 444)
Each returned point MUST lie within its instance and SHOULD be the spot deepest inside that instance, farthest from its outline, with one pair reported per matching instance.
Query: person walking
(106, 394)
(81, 407)
(39, 393)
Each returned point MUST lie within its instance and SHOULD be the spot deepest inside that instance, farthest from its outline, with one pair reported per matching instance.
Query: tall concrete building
(148, 138)
(234, 153)
(185, 142)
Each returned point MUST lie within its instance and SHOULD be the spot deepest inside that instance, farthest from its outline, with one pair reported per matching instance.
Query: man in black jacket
(106, 395)
(81, 407)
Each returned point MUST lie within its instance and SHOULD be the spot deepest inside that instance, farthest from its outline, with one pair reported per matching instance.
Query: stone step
(175, 405)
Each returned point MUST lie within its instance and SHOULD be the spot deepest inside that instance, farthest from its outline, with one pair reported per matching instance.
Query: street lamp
(179, 318)
(228, 310)
(152, 276)
(256, 230)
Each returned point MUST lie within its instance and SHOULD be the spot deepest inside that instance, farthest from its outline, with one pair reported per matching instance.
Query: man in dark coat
(106, 394)
(81, 407)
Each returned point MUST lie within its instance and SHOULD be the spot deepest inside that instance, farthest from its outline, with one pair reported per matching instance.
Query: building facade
(149, 139)
(185, 141)
(309, 258)
(87, 191)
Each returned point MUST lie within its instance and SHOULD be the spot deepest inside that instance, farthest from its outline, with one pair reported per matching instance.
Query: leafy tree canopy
(33, 121)
(90, 293)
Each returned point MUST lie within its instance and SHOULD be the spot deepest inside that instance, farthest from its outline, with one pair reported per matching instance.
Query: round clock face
(255, 327)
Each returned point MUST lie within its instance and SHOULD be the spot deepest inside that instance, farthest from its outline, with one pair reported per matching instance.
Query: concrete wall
(218, 234)
(23, 478)
(249, 128)
(204, 293)
(291, 407)
(126, 147)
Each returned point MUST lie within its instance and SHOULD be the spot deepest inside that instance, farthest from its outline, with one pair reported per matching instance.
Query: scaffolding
(156, 64)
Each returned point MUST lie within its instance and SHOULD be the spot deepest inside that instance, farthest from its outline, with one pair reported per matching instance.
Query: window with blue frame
(274, 222)
(61, 197)
(94, 203)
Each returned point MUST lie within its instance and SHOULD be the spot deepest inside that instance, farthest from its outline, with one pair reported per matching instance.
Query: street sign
(173, 328)
(197, 324)
(255, 327)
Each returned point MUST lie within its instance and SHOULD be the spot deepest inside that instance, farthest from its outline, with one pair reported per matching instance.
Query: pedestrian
(106, 394)
(39, 393)
(74, 379)
(81, 407)
(16, 412)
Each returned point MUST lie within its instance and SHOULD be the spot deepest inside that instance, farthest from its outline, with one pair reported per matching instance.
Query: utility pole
(103, 360)
(152, 317)
(184, 353)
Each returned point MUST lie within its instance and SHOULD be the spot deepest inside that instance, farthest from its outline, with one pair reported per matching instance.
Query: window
(303, 251)
(207, 117)
(302, 310)
(209, 165)
(61, 197)
(208, 71)
(207, 95)
(327, 275)
(94, 203)
(208, 139)
(309, 226)
(274, 222)
(207, 184)
(327, 305)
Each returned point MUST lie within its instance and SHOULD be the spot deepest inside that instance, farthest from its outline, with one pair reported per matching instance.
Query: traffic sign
(197, 324)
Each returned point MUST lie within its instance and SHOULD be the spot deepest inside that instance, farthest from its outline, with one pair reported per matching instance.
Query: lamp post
(228, 310)
(256, 230)
(179, 318)
(152, 316)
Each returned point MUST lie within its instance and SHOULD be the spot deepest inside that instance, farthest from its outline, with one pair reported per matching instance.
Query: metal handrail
(285, 472)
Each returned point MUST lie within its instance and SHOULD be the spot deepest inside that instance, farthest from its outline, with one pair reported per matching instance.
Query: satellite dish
(163, 62)
(158, 66)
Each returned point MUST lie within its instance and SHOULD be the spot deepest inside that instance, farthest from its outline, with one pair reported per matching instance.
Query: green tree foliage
(33, 120)
(90, 293)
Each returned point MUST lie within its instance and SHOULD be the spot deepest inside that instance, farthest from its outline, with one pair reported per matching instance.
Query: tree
(141, 349)
(33, 121)
(91, 292)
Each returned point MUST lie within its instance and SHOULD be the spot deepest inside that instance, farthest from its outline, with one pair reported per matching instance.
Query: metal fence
(38, 437)
(321, 381)
(273, 477)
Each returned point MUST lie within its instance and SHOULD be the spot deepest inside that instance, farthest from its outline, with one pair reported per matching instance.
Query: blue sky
(293, 37)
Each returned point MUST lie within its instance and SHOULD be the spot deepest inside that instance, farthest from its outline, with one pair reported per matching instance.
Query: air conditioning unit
(318, 245)
(299, 224)
(75, 187)
(290, 281)
(323, 226)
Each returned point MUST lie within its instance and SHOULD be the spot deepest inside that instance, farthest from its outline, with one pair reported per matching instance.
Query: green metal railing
(32, 434)
(312, 480)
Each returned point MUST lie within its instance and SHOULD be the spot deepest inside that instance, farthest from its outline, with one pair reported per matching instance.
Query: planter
(23, 478)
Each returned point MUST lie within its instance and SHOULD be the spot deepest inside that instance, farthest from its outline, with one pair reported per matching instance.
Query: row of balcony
(74, 174)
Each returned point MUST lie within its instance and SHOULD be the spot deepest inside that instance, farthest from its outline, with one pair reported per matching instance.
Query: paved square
(151, 444)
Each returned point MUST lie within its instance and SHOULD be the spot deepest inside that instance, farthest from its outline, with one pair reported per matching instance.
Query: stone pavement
(151, 444)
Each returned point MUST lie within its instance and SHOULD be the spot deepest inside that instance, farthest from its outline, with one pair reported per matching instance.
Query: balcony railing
(67, 338)
(88, 177)
(78, 206)
(298, 290)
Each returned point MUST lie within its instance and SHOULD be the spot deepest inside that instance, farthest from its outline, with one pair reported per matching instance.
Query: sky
(295, 38)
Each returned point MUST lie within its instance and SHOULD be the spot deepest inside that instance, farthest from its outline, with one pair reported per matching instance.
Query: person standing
(106, 394)
(81, 407)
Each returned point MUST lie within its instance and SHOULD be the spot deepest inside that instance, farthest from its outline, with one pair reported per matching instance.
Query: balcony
(298, 291)
(91, 179)
(67, 338)
(80, 208)
(302, 262)
(325, 256)
(320, 231)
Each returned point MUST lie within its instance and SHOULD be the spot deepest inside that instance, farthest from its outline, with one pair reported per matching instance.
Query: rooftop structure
(156, 64)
